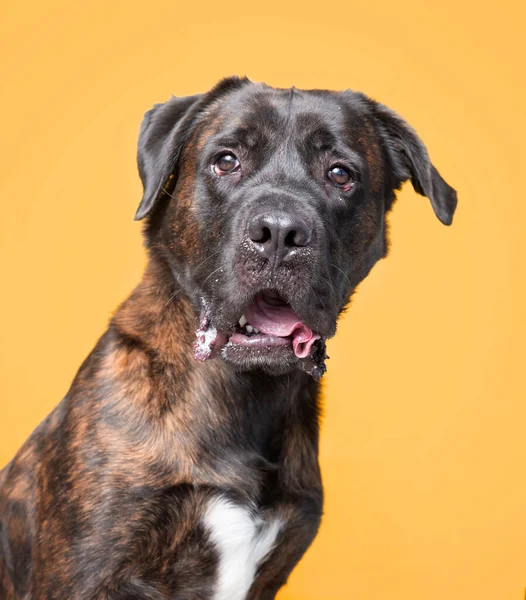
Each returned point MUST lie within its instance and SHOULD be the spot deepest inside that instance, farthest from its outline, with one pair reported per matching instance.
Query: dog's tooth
(249, 328)
(243, 321)
(255, 330)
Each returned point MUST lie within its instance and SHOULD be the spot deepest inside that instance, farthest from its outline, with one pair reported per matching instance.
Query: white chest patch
(243, 540)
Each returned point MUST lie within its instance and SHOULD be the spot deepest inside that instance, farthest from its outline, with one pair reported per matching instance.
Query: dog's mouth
(270, 321)
(269, 330)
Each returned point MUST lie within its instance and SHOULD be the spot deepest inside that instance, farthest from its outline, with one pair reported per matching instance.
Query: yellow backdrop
(424, 447)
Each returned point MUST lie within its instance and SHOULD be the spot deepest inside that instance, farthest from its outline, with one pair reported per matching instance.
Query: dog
(183, 462)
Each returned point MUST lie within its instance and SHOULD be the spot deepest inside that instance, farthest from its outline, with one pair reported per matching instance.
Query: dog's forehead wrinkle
(278, 123)
(275, 106)
(250, 108)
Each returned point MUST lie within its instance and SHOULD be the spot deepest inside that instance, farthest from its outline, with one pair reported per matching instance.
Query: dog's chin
(273, 360)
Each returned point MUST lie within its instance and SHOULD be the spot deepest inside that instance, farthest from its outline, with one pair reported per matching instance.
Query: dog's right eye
(340, 177)
(226, 164)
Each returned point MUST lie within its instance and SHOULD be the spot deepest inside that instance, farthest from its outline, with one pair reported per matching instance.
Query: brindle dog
(166, 475)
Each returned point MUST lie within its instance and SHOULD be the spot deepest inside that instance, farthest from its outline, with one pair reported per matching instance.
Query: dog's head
(269, 207)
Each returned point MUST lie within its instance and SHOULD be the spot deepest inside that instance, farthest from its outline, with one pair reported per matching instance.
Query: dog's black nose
(278, 235)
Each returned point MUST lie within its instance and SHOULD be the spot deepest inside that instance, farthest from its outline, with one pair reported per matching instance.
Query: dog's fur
(137, 484)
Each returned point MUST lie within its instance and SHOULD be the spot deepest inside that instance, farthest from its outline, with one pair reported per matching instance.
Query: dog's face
(269, 207)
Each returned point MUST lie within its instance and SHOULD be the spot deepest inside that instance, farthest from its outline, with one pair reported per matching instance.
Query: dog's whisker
(211, 274)
(320, 299)
(329, 284)
(207, 259)
(344, 274)
(172, 298)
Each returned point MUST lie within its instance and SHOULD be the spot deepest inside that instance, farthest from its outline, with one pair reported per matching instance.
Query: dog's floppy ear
(163, 133)
(410, 161)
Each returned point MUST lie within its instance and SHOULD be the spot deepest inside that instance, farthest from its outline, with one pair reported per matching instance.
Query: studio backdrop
(423, 449)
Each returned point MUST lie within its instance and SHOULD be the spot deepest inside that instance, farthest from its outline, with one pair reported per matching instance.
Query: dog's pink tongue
(276, 318)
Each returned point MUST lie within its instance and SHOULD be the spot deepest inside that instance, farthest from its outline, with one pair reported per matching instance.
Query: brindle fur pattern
(106, 498)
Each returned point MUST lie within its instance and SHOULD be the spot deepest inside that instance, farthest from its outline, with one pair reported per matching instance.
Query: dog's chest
(243, 540)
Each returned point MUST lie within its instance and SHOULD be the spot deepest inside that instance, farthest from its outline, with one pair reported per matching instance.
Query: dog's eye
(340, 176)
(226, 164)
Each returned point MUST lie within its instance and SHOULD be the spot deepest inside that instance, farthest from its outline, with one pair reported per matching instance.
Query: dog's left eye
(340, 176)
(226, 164)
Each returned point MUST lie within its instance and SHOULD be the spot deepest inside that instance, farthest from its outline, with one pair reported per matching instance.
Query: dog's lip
(272, 297)
(258, 340)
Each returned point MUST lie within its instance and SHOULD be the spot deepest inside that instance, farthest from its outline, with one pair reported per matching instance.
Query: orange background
(423, 450)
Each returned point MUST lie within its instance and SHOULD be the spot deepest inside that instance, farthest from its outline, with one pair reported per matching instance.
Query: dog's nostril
(265, 236)
(297, 238)
(290, 238)
(259, 232)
